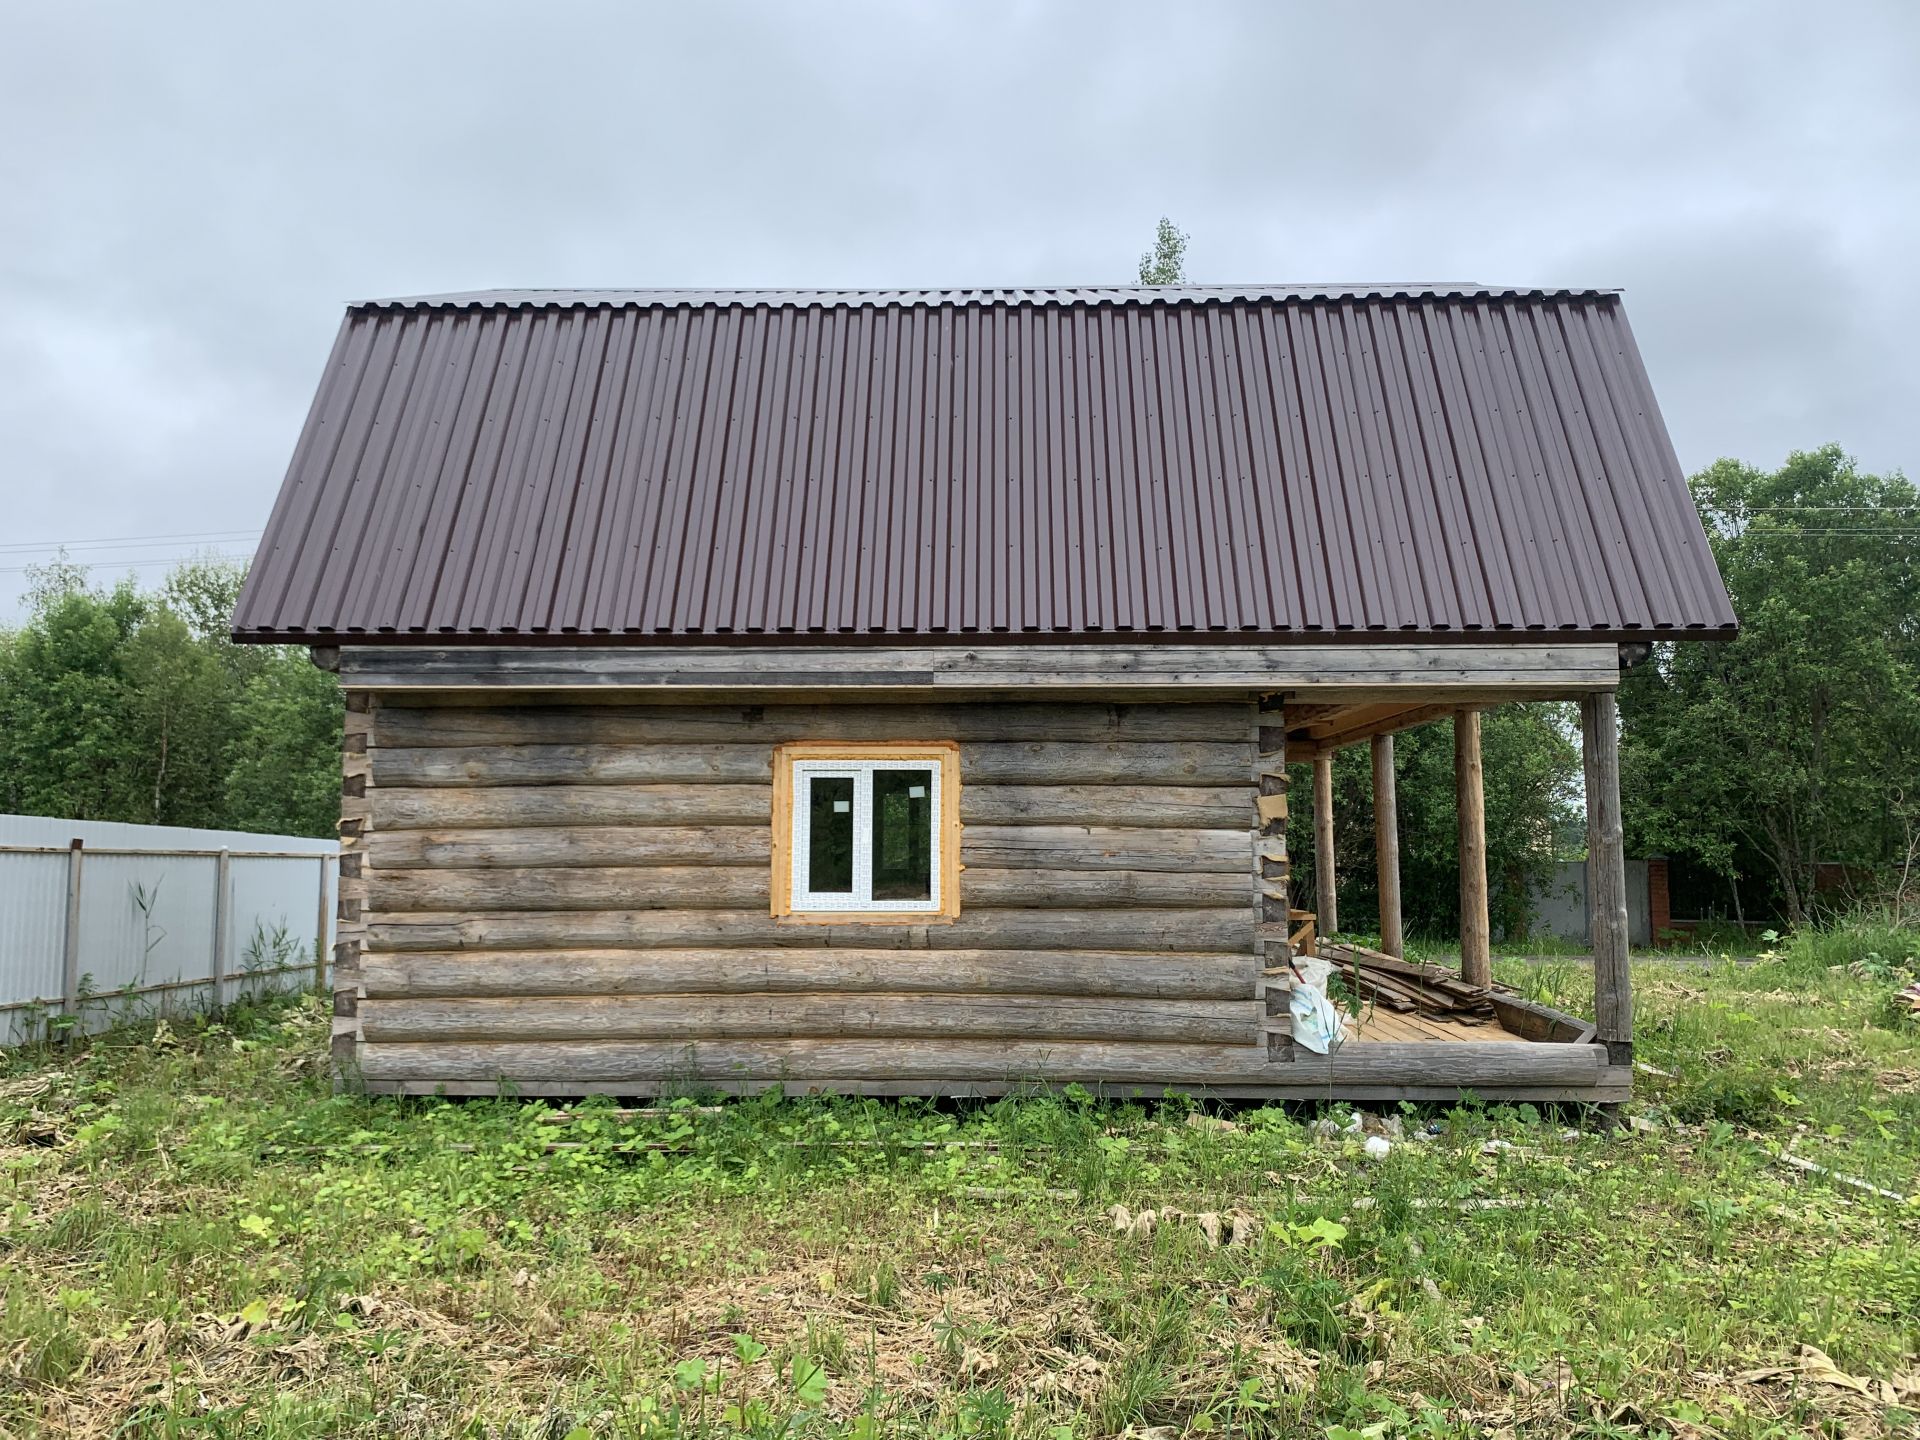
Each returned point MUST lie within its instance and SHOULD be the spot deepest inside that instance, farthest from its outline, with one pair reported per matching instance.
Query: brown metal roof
(1263, 461)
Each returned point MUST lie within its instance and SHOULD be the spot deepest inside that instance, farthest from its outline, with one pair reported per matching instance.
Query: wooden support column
(1326, 887)
(1386, 845)
(1470, 802)
(1607, 876)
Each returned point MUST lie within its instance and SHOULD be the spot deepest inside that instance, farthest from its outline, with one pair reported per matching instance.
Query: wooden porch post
(1470, 804)
(1386, 845)
(1326, 901)
(1607, 876)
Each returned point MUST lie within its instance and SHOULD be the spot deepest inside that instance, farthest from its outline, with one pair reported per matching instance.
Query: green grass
(197, 1238)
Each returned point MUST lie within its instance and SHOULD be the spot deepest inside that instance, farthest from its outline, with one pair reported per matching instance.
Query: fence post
(70, 942)
(320, 937)
(222, 922)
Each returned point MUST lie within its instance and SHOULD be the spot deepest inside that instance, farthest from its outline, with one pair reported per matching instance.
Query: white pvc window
(866, 836)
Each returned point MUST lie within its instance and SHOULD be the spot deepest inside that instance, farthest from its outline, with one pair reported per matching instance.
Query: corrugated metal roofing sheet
(1105, 461)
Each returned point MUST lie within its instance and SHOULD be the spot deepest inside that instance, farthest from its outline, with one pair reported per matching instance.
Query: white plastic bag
(1316, 1024)
(1313, 971)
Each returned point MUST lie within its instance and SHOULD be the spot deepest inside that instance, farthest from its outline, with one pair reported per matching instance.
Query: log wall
(560, 895)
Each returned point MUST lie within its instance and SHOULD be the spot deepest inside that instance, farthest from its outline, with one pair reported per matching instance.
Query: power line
(211, 536)
(137, 564)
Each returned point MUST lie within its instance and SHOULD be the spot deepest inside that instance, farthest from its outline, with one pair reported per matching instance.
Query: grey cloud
(188, 194)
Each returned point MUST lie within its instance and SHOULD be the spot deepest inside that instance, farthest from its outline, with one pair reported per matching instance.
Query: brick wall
(1659, 904)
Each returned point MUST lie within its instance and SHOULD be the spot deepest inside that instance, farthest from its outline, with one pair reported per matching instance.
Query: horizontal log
(665, 887)
(1090, 973)
(418, 809)
(402, 722)
(712, 845)
(985, 847)
(1536, 1021)
(811, 1016)
(1526, 667)
(1224, 929)
(1020, 762)
(466, 765)
(1000, 847)
(1465, 1065)
(1105, 847)
(1616, 1087)
(1191, 806)
(1111, 762)
(723, 888)
(1056, 889)
(639, 1060)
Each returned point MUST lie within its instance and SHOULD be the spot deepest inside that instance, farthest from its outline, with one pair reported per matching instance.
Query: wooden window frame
(942, 753)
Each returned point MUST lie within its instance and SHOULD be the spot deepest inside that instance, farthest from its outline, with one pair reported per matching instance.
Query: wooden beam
(1386, 845)
(1325, 881)
(579, 1062)
(1610, 1087)
(464, 974)
(1607, 876)
(1365, 722)
(1380, 670)
(1345, 719)
(1476, 935)
(700, 1019)
(1468, 1065)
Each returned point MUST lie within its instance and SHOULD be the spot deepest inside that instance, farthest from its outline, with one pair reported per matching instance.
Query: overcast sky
(189, 193)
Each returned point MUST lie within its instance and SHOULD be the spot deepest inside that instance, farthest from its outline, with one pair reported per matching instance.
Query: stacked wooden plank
(1409, 987)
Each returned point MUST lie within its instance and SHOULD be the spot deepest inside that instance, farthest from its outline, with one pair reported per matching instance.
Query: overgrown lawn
(198, 1238)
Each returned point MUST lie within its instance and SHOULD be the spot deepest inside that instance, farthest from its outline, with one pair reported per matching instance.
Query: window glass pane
(902, 834)
(830, 834)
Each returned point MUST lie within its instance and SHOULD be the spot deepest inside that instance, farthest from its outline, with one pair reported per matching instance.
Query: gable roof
(1301, 462)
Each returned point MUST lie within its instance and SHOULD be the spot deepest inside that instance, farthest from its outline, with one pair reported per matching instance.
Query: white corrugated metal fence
(101, 921)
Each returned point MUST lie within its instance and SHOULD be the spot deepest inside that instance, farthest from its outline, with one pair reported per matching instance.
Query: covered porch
(1423, 1031)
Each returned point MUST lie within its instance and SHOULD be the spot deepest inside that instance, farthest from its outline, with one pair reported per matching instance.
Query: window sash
(861, 772)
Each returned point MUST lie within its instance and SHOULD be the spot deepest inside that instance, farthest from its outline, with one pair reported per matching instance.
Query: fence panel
(33, 922)
(169, 919)
(1561, 908)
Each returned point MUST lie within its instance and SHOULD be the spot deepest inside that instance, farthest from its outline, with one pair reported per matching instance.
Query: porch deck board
(1380, 1024)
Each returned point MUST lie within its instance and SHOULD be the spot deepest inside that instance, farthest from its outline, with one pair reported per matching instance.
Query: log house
(892, 692)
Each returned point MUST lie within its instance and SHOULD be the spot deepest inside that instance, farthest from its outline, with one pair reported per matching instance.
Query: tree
(118, 705)
(285, 771)
(1166, 262)
(174, 713)
(1796, 743)
(64, 743)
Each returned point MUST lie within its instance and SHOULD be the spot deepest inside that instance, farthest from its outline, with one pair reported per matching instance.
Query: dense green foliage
(1166, 262)
(198, 1238)
(1797, 744)
(1531, 758)
(119, 705)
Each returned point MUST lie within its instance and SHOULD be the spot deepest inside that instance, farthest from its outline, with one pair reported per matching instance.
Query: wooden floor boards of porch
(1377, 1024)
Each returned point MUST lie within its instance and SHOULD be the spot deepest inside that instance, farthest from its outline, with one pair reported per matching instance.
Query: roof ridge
(665, 297)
